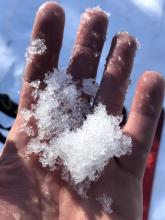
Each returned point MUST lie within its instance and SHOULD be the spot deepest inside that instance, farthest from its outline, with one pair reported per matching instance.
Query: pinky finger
(143, 119)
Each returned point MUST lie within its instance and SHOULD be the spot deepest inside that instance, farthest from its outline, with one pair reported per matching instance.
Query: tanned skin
(30, 192)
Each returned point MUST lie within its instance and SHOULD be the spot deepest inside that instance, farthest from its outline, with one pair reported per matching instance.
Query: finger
(88, 45)
(143, 119)
(48, 26)
(117, 73)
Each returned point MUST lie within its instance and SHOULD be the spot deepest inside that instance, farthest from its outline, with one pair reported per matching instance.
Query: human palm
(27, 190)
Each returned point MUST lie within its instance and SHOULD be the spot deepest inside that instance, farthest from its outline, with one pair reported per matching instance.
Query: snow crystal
(35, 84)
(86, 15)
(120, 41)
(119, 58)
(98, 9)
(145, 79)
(90, 87)
(70, 134)
(27, 115)
(97, 54)
(37, 47)
(106, 202)
(129, 42)
(138, 44)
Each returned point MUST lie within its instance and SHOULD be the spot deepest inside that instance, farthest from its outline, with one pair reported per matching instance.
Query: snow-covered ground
(143, 18)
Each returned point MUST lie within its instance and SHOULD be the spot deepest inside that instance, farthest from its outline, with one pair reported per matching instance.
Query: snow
(83, 146)
(98, 9)
(37, 47)
(106, 203)
(90, 87)
(144, 20)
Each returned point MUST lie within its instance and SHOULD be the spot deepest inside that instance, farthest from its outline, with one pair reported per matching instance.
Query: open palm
(27, 190)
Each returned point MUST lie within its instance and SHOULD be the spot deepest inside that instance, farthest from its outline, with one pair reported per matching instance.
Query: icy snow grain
(97, 9)
(86, 17)
(90, 87)
(37, 47)
(106, 203)
(82, 145)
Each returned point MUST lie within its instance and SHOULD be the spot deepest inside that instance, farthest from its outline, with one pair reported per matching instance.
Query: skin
(28, 191)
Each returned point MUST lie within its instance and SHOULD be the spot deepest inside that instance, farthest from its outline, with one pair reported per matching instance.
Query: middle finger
(88, 45)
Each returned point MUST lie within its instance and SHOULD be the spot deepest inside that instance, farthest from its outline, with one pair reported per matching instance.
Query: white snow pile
(69, 133)
(37, 47)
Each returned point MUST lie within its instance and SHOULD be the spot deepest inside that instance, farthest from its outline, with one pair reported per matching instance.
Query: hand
(28, 191)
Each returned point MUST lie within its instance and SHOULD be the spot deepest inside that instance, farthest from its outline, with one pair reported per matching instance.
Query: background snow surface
(143, 18)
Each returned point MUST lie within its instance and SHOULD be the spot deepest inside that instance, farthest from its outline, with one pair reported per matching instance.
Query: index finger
(44, 52)
(48, 31)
